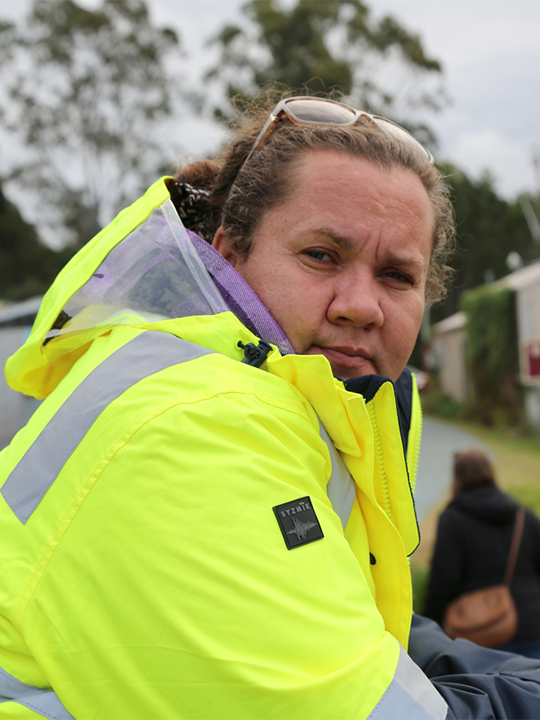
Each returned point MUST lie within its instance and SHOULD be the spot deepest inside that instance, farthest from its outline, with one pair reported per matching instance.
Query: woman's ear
(222, 244)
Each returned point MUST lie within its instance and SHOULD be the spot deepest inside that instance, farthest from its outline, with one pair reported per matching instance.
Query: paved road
(439, 441)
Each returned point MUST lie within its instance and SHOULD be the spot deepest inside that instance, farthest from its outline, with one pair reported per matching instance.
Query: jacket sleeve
(183, 599)
(476, 682)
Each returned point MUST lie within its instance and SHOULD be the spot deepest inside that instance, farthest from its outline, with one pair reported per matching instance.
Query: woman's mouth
(347, 362)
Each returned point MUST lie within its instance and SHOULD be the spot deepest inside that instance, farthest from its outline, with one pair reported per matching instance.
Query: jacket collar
(240, 298)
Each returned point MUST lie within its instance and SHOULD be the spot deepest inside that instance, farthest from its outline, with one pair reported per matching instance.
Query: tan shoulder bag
(488, 616)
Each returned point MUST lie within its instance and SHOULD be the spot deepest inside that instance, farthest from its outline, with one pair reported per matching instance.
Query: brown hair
(240, 196)
(471, 469)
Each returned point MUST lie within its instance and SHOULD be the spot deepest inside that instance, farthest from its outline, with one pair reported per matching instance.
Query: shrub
(492, 355)
(437, 402)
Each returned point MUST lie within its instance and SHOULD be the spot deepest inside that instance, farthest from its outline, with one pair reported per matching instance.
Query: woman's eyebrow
(342, 241)
(345, 243)
(400, 261)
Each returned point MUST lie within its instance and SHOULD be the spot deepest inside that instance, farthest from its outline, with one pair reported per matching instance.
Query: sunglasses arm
(260, 137)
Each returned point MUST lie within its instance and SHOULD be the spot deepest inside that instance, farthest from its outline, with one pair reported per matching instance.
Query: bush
(492, 355)
(439, 403)
(419, 577)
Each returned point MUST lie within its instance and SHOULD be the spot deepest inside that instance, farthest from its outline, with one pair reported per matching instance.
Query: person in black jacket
(473, 541)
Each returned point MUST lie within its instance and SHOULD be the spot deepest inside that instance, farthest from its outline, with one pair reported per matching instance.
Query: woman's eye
(399, 276)
(318, 255)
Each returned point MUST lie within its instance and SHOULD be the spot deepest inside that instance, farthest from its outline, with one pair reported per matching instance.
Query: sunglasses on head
(318, 111)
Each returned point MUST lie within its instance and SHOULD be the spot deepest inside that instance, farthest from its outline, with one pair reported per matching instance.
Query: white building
(448, 354)
(448, 341)
(526, 284)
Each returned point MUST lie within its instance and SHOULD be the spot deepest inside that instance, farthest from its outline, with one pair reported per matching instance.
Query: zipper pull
(255, 355)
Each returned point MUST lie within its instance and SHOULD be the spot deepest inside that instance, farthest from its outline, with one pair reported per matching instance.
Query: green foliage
(27, 267)
(492, 355)
(419, 577)
(7, 33)
(512, 442)
(437, 402)
(488, 229)
(319, 45)
(527, 495)
(88, 88)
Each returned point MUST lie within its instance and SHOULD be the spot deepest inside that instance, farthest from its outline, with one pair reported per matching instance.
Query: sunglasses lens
(320, 111)
(398, 133)
(301, 110)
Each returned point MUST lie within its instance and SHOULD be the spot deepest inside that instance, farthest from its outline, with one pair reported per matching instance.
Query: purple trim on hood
(240, 298)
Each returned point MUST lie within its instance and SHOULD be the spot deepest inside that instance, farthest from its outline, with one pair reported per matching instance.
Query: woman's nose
(356, 301)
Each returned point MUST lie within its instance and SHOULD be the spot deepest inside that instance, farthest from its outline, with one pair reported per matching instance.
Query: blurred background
(100, 98)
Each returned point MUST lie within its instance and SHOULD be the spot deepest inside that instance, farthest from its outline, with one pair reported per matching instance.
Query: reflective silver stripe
(11, 688)
(48, 705)
(44, 702)
(145, 355)
(410, 695)
(340, 488)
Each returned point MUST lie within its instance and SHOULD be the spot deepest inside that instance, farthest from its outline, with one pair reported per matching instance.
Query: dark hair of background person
(472, 468)
(239, 196)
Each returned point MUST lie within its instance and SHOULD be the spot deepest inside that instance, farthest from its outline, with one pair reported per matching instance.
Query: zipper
(380, 462)
(413, 452)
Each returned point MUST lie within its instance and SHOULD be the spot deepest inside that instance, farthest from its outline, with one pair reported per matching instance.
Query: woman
(210, 514)
(472, 547)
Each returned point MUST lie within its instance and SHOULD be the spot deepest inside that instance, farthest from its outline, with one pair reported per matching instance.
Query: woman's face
(342, 263)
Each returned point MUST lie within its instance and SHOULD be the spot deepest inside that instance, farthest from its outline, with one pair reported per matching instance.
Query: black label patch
(298, 523)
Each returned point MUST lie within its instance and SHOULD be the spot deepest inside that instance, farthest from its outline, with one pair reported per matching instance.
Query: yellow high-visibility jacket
(169, 544)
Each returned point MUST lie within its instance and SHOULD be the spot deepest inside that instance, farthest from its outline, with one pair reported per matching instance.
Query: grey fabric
(410, 695)
(340, 487)
(11, 688)
(476, 682)
(47, 705)
(43, 701)
(37, 470)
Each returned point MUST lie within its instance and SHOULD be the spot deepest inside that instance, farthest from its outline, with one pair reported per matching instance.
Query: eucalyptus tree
(85, 93)
(317, 45)
(492, 235)
(27, 266)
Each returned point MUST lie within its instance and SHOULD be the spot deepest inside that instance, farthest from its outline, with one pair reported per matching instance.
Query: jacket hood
(487, 503)
(142, 268)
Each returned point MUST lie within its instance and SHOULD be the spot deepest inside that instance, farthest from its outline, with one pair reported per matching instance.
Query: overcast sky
(490, 52)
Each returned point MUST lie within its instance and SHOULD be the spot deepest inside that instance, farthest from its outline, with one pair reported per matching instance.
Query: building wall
(528, 311)
(449, 350)
(528, 322)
